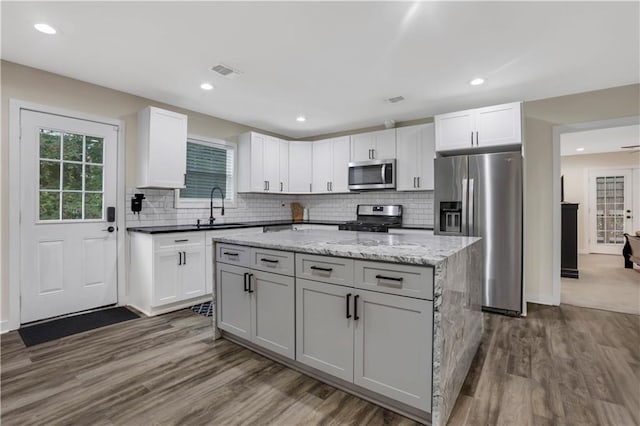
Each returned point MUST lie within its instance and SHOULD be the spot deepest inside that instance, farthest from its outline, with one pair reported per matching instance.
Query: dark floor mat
(52, 330)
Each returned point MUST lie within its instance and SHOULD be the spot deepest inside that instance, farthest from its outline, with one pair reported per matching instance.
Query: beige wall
(575, 169)
(33, 85)
(540, 116)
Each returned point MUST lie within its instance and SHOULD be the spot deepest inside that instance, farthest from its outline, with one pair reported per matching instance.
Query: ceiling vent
(225, 71)
(395, 99)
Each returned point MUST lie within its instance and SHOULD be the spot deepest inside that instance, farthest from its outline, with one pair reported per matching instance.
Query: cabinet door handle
(318, 268)
(250, 276)
(348, 297)
(281, 187)
(327, 186)
(355, 307)
(477, 140)
(418, 178)
(184, 262)
(472, 138)
(331, 186)
(382, 277)
(179, 258)
(414, 182)
(269, 260)
(246, 275)
(310, 188)
(373, 154)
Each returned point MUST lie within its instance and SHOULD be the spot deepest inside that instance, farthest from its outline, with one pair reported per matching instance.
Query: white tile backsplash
(158, 207)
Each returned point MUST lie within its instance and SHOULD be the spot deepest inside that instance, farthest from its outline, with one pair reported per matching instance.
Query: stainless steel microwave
(372, 174)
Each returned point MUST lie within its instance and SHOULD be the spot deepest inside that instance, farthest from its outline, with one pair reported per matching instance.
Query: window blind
(208, 165)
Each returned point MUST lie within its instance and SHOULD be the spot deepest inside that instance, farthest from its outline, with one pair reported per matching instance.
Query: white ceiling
(334, 62)
(600, 140)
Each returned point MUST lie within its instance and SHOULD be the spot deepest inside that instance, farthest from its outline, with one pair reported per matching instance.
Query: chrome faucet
(211, 219)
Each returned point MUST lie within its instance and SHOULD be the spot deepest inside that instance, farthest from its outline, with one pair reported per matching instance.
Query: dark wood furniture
(569, 238)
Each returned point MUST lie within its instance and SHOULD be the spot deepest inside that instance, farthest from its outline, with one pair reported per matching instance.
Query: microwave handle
(383, 170)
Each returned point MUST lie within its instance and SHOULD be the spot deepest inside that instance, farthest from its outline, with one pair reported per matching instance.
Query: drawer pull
(269, 260)
(382, 277)
(318, 268)
(181, 241)
(228, 253)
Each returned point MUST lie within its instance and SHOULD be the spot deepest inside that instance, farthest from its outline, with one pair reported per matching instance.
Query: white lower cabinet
(324, 327)
(257, 306)
(167, 271)
(392, 347)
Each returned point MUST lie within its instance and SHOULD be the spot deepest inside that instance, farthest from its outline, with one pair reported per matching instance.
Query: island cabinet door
(272, 308)
(393, 343)
(324, 327)
(233, 312)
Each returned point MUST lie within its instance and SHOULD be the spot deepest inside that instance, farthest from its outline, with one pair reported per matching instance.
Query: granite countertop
(398, 248)
(250, 224)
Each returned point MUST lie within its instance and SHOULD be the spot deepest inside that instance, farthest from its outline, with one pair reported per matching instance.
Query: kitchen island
(395, 319)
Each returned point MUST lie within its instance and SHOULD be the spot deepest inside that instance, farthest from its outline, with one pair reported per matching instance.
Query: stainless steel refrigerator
(481, 195)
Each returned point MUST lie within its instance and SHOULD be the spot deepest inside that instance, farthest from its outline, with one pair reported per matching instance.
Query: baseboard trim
(541, 299)
(4, 326)
(172, 307)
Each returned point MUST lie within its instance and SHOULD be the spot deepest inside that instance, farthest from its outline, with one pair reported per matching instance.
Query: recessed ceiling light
(206, 86)
(579, 149)
(301, 118)
(476, 81)
(44, 28)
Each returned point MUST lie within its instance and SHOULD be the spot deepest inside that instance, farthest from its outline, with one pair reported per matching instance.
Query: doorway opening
(600, 183)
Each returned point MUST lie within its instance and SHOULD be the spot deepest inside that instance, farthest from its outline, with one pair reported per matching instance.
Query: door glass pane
(71, 205)
(93, 178)
(72, 147)
(72, 176)
(49, 174)
(95, 150)
(49, 205)
(93, 206)
(610, 209)
(50, 144)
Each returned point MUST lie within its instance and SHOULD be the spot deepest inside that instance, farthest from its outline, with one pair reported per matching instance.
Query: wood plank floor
(564, 365)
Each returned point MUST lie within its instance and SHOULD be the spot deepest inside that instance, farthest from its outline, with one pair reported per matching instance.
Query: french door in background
(610, 209)
(68, 172)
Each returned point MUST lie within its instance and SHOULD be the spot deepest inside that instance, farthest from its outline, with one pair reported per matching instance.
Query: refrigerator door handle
(471, 209)
(465, 187)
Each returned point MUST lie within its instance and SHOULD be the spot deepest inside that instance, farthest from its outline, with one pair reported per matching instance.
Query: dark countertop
(192, 228)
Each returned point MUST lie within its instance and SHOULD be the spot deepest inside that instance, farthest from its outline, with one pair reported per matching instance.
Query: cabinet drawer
(233, 254)
(276, 261)
(181, 239)
(334, 270)
(404, 280)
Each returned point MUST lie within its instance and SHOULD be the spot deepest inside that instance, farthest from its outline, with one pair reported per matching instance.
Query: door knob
(109, 229)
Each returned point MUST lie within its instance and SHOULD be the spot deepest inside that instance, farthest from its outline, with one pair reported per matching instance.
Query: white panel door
(192, 272)
(233, 300)
(340, 164)
(273, 318)
(68, 173)
(499, 125)
(271, 163)
(322, 165)
(610, 209)
(393, 345)
(283, 164)
(300, 166)
(166, 276)
(408, 158)
(258, 181)
(362, 146)
(324, 327)
(455, 130)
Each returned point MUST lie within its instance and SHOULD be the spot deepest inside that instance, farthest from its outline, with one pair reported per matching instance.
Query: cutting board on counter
(297, 212)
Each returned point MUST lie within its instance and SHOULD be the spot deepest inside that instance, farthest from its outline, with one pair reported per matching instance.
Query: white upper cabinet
(492, 126)
(300, 167)
(380, 145)
(161, 149)
(331, 165)
(415, 154)
(263, 163)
